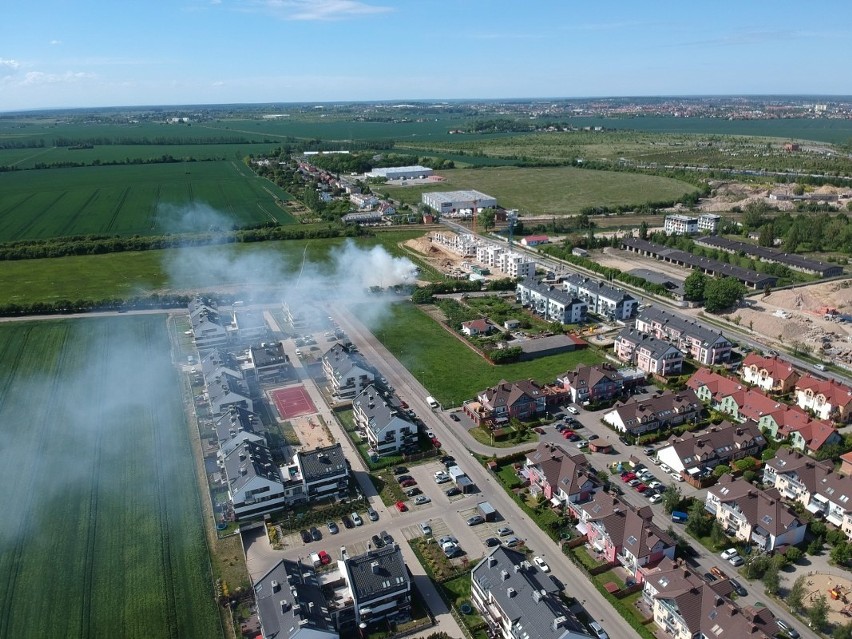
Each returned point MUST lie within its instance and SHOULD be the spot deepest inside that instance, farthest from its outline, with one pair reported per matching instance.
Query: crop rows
(102, 528)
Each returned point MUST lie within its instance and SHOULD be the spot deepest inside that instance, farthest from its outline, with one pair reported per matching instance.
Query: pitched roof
(562, 469)
(376, 572)
(761, 508)
(707, 337)
(718, 385)
(637, 412)
(835, 393)
(719, 442)
(590, 376)
(816, 433)
(507, 394)
(479, 325)
(777, 369)
(818, 477)
(285, 608)
(322, 462)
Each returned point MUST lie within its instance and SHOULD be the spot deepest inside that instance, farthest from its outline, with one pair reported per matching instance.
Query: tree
(721, 293)
(717, 535)
(643, 230)
(771, 580)
(754, 214)
(697, 522)
(671, 498)
(486, 217)
(767, 235)
(793, 554)
(841, 553)
(818, 612)
(796, 596)
(844, 631)
(694, 285)
(815, 547)
(720, 470)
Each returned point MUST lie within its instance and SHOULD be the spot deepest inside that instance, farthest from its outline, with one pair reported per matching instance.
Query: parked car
(436, 443)
(593, 437)
(492, 541)
(718, 572)
(573, 410)
(372, 514)
(306, 536)
(649, 451)
(401, 507)
(738, 588)
(347, 521)
(582, 444)
(676, 476)
(316, 535)
(332, 527)
(730, 552)
(787, 628)
(421, 499)
(452, 551)
(413, 492)
(447, 539)
(425, 528)
(475, 520)
(408, 483)
(377, 541)
(640, 488)
(452, 492)
(454, 417)
(324, 557)
(598, 630)
(356, 519)
(539, 561)
(399, 470)
(504, 531)
(736, 560)
(710, 577)
(386, 537)
(512, 541)
(448, 460)
(403, 478)
(633, 483)
(655, 498)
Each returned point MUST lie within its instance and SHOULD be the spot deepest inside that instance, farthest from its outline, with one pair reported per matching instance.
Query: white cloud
(218, 83)
(322, 10)
(7, 63)
(55, 42)
(33, 78)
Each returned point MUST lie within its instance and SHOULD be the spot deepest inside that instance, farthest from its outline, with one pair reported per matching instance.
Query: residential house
(602, 299)
(322, 472)
(476, 327)
(562, 477)
(803, 433)
(697, 454)
(247, 325)
(596, 383)
(535, 240)
(380, 585)
(712, 388)
(255, 486)
(521, 400)
(772, 374)
(649, 354)
(550, 302)
(680, 225)
(346, 376)
(812, 483)
(846, 464)
(702, 344)
(623, 534)
(268, 361)
(754, 516)
(225, 387)
(380, 423)
(685, 606)
(827, 398)
(654, 413)
(235, 426)
(516, 599)
(208, 328)
(515, 265)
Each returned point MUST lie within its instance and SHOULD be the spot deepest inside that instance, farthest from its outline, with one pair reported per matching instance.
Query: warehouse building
(401, 172)
(450, 202)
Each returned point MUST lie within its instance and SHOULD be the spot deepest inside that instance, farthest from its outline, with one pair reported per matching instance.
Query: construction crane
(511, 218)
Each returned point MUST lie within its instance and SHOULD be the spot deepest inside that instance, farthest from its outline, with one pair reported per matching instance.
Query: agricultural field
(101, 530)
(121, 275)
(138, 199)
(561, 190)
(450, 370)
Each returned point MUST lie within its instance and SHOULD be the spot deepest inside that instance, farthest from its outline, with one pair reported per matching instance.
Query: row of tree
(716, 293)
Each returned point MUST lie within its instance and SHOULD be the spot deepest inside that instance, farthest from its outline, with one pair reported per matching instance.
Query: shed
(465, 484)
(487, 511)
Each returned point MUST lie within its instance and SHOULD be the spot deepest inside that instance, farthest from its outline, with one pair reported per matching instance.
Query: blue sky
(81, 53)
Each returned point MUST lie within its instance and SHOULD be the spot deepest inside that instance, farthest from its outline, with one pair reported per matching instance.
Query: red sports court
(293, 402)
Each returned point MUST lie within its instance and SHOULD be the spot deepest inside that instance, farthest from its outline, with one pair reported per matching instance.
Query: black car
(386, 537)
(316, 535)
(710, 577)
(377, 541)
(306, 536)
(403, 478)
(454, 417)
(448, 460)
(623, 440)
(347, 521)
(413, 492)
(593, 437)
(738, 588)
(452, 492)
(492, 541)
(399, 470)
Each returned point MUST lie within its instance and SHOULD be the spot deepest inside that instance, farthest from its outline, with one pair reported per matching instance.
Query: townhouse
(516, 599)
(803, 433)
(599, 382)
(563, 478)
(623, 534)
(702, 344)
(224, 383)
(813, 484)
(208, 328)
(235, 426)
(754, 516)
(649, 354)
(515, 265)
(654, 413)
(346, 377)
(697, 454)
(827, 398)
(255, 486)
(771, 374)
(521, 400)
(318, 474)
(685, 606)
(379, 585)
(550, 302)
(268, 361)
(380, 423)
(602, 299)
(247, 325)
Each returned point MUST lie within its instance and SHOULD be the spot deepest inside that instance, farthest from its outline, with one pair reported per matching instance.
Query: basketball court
(293, 402)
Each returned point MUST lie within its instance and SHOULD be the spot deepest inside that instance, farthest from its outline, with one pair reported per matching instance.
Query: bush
(793, 554)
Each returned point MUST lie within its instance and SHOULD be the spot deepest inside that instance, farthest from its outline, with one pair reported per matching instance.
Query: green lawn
(450, 370)
(551, 191)
(102, 530)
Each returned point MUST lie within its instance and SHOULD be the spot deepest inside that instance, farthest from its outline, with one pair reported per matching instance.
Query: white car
(655, 499)
(600, 633)
(356, 519)
(441, 478)
(421, 499)
(582, 444)
(676, 476)
(541, 564)
(730, 552)
(573, 410)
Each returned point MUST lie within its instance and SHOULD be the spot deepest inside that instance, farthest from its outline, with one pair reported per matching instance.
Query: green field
(101, 533)
(552, 191)
(127, 200)
(448, 369)
(97, 277)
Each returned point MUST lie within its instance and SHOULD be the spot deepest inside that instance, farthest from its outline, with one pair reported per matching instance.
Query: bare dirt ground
(726, 195)
(312, 432)
(627, 261)
(441, 258)
(820, 583)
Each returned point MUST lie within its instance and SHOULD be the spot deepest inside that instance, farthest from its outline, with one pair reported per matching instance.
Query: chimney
(492, 561)
(510, 592)
(558, 622)
(536, 595)
(285, 605)
(504, 575)
(517, 568)
(374, 566)
(275, 586)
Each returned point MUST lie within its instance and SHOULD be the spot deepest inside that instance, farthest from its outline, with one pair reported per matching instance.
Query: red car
(436, 443)
(628, 477)
(403, 404)
(640, 488)
(408, 483)
(567, 432)
(401, 507)
(324, 557)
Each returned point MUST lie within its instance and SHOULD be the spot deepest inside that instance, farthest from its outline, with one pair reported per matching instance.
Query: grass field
(552, 191)
(101, 532)
(138, 199)
(450, 370)
(97, 277)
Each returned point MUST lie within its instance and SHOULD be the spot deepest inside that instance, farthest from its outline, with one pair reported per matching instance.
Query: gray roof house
(254, 482)
(235, 426)
(550, 302)
(208, 330)
(346, 377)
(517, 600)
(323, 471)
(380, 584)
(380, 423)
(603, 299)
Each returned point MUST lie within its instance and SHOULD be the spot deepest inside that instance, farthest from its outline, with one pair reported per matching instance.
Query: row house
(654, 413)
(596, 383)
(649, 354)
(346, 376)
(602, 299)
(255, 485)
(754, 516)
(515, 265)
(697, 454)
(521, 400)
(563, 478)
(268, 361)
(551, 303)
(207, 326)
(827, 398)
(813, 484)
(685, 606)
(517, 599)
(702, 344)
(224, 384)
(623, 534)
(379, 585)
(771, 374)
(235, 426)
(796, 426)
(381, 425)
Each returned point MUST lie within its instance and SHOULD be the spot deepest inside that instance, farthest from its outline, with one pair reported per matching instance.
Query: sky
(86, 53)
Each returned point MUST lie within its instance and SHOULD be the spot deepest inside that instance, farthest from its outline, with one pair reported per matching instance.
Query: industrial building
(453, 202)
(401, 172)
(765, 254)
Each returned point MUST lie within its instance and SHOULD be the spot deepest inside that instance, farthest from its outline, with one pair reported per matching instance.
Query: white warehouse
(401, 172)
(452, 201)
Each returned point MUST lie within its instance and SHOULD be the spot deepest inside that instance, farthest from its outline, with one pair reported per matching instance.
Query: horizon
(240, 52)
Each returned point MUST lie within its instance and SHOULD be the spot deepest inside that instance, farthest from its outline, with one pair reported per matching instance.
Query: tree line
(71, 164)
